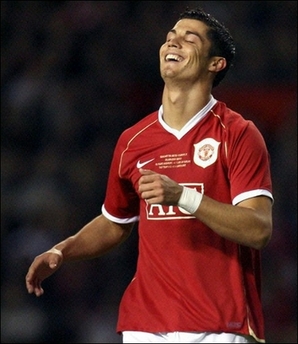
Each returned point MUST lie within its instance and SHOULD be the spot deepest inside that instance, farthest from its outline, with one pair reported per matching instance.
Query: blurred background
(74, 75)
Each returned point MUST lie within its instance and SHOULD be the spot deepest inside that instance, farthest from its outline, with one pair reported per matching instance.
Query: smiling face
(185, 54)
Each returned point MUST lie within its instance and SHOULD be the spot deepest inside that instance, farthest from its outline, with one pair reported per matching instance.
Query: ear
(217, 64)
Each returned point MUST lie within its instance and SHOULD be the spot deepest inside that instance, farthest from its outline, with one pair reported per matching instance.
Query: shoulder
(232, 121)
(237, 131)
(240, 135)
(228, 116)
(139, 127)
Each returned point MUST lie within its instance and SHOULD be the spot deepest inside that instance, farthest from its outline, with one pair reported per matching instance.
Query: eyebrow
(189, 33)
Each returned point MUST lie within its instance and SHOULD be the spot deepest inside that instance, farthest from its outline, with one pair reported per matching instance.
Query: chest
(197, 157)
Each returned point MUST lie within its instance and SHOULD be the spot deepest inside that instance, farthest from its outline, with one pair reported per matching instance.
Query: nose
(174, 42)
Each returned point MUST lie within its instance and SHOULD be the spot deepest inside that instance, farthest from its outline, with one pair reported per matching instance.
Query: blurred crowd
(74, 75)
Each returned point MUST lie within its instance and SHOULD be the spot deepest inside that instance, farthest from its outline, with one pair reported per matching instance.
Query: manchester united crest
(206, 152)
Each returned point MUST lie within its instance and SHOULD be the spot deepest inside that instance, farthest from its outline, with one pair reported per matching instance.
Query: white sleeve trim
(117, 219)
(253, 193)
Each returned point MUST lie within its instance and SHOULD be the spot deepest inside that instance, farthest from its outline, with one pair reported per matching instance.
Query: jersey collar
(191, 123)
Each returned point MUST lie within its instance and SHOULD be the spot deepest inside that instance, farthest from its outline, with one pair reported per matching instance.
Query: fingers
(146, 176)
(33, 285)
(38, 290)
(146, 172)
(150, 185)
(42, 267)
(52, 265)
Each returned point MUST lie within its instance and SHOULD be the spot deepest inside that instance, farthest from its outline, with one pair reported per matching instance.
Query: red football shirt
(188, 278)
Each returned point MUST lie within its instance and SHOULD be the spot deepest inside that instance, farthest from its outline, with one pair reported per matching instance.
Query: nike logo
(141, 164)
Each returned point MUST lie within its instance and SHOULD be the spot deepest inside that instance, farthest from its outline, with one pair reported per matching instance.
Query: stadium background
(74, 74)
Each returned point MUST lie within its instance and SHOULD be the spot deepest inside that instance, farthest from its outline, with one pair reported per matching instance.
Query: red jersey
(188, 278)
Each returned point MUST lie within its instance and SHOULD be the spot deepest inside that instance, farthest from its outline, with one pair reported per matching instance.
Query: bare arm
(95, 239)
(249, 223)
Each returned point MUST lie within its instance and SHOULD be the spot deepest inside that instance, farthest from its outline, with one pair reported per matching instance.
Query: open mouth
(173, 57)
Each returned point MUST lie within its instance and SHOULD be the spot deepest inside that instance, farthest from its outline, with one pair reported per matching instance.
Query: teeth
(173, 57)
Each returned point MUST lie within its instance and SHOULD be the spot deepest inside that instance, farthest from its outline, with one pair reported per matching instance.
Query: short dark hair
(222, 43)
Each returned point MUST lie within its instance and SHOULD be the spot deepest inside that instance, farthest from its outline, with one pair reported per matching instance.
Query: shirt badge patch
(206, 152)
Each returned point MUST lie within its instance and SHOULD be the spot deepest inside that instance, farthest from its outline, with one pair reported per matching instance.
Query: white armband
(190, 199)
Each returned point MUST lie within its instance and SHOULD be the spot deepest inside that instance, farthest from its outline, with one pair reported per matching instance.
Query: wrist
(190, 199)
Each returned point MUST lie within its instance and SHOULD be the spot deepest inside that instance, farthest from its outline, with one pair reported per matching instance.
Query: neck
(180, 105)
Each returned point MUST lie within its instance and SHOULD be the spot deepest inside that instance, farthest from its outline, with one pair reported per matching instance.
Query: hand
(42, 267)
(157, 188)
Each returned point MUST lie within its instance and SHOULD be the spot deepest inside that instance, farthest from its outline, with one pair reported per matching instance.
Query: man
(196, 176)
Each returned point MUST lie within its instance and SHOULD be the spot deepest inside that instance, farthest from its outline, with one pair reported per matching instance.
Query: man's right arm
(95, 239)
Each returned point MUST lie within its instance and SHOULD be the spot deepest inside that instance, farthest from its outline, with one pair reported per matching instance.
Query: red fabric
(188, 278)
